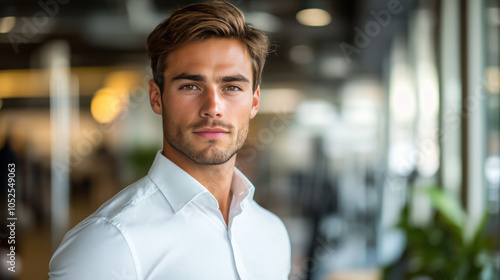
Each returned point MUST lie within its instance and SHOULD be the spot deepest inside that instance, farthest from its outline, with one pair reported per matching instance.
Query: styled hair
(197, 22)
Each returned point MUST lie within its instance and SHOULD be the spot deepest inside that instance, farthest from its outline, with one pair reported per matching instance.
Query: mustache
(210, 123)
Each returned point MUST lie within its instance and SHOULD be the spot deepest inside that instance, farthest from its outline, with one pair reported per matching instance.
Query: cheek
(242, 107)
(242, 116)
(177, 108)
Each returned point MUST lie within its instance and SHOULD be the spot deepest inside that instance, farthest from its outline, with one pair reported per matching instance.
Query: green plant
(446, 248)
(141, 158)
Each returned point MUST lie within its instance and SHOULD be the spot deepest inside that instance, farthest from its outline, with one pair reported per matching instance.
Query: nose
(211, 104)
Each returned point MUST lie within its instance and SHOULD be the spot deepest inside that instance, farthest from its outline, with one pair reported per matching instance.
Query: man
(193, 216)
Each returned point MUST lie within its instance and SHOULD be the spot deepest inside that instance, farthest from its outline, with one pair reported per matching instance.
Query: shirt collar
(242, 188)
(180, 188)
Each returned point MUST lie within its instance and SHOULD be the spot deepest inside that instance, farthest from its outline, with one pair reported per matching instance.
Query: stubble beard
(178, 139)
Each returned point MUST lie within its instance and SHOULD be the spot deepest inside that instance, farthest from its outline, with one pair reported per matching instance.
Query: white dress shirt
(168, 226)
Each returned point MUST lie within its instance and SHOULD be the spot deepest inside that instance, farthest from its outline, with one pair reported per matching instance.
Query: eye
(232, 88)
(189, 87)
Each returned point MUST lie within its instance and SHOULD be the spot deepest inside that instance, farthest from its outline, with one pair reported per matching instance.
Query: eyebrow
(200, 78)
(183, 76)
(235, 78)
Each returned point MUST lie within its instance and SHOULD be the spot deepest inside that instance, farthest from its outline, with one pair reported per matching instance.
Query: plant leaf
(447, 206)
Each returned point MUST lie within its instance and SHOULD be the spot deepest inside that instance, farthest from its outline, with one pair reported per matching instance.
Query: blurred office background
(368, 107)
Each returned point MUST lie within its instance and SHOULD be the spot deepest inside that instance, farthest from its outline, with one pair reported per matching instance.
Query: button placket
(238, 260)
(213, 208)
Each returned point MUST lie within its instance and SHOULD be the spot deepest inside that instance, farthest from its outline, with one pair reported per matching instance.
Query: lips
(211, 132)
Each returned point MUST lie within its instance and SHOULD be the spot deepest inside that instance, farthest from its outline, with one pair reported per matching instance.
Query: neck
(216, 179)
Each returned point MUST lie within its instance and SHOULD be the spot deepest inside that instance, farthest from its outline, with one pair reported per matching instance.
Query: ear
(255, 102)
(155, 97)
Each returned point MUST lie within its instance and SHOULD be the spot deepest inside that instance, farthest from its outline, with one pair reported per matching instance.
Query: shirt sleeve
(287, 251)
(95, 250)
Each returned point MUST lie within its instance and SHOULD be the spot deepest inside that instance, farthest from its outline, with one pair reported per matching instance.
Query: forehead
(213, 54)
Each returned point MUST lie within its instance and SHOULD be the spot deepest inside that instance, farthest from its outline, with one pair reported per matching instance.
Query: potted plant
(445, 248)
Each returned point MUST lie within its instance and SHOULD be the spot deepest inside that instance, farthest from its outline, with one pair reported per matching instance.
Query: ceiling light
(314, 17)
(6, 24)
(106, 105)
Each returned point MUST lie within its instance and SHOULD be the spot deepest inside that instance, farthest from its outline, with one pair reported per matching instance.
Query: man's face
(207, 100)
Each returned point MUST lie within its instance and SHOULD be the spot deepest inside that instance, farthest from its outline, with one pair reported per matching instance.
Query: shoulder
(265, 215)
(269, 221)
(95, 249)
(133, 196)
(100, 245)
(140, 197)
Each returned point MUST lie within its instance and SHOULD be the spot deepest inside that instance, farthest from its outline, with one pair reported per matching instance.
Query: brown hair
(201, 21)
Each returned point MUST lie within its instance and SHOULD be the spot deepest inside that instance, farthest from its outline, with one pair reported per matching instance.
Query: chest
(200, 246)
